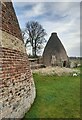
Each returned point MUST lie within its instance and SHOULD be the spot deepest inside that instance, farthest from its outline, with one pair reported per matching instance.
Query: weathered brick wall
(17, 89)
(0, 16)
(9, 21)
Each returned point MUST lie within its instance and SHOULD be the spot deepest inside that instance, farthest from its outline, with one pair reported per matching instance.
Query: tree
(34, 34)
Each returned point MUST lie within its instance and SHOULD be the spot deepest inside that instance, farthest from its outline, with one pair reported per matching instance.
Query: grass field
(57, 97)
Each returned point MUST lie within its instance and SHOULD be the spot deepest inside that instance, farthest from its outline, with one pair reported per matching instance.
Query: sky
(60, 17)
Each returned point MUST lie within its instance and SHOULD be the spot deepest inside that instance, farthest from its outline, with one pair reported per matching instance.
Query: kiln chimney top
(54, 33)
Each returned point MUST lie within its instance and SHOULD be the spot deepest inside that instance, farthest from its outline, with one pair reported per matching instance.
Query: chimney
(54, 33)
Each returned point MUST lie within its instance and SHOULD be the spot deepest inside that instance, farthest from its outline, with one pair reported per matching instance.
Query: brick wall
(17, 88)
(15, 81)
(9, 21)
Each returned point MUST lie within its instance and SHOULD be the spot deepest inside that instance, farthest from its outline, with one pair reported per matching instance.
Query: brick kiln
(17, 89)
(54, 52)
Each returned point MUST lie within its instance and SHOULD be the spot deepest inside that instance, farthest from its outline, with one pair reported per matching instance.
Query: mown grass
(57, 97)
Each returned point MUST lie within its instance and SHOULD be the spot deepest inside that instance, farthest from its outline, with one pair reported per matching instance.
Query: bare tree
(35, 36)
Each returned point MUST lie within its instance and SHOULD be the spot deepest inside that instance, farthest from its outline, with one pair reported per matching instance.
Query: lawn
(57, 97)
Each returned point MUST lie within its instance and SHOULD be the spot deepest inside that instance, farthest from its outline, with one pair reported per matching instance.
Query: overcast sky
(60, 17)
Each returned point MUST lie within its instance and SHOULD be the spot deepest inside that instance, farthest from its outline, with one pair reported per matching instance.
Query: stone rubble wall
(11, 42)
(17, 88)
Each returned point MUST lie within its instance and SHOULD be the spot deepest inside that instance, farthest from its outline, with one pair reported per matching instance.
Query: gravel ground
(56, 71)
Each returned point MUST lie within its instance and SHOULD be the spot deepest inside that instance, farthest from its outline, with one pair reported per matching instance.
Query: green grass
(57, 97)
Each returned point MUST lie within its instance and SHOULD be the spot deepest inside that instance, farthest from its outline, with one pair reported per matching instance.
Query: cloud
(47, 1)
(75, 50)
(60, 17)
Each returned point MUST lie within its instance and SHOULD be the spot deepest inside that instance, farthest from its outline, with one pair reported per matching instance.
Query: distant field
(57, 97)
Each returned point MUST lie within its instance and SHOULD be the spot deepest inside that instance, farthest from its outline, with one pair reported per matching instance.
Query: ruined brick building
(17, 89)
(54, 52)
